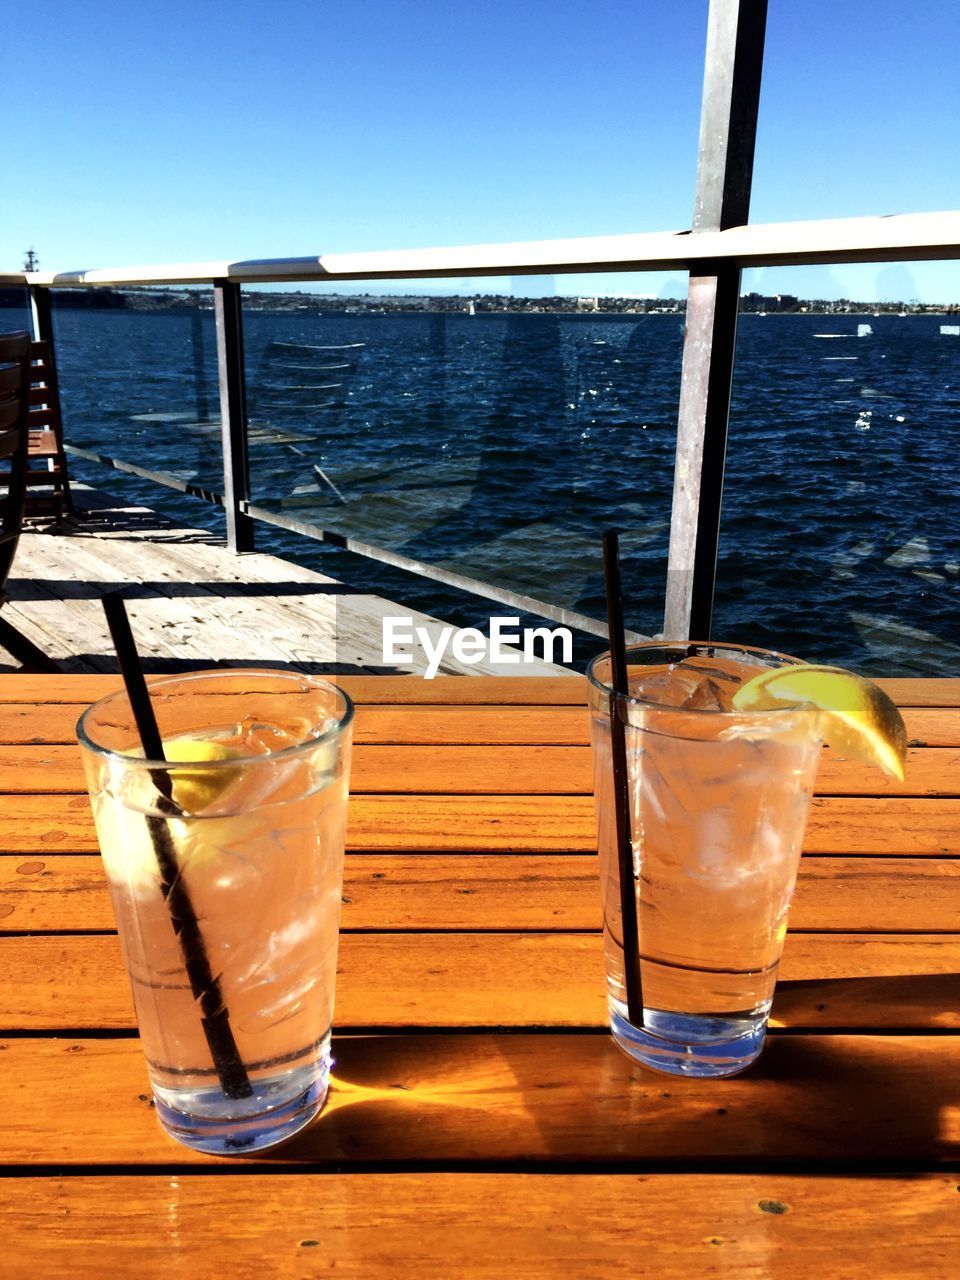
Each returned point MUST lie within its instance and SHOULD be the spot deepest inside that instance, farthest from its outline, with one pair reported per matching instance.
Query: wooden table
(481, 1122)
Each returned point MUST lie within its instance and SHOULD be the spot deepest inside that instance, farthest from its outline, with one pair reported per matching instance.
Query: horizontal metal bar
(158, 477)
(899, 237)
(489, 591)
(473, 586)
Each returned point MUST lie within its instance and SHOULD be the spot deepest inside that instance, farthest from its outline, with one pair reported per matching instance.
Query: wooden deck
(192, 602)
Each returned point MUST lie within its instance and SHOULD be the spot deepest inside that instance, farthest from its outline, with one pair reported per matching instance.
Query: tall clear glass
(225, 867)
(718, 803)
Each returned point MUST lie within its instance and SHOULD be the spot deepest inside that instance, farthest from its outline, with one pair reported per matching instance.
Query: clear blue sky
(181, 131)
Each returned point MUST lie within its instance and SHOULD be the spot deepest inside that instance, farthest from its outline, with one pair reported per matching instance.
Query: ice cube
(707, 696)
(684, 685)
(721, 678)
(666, 686)
(258, 739)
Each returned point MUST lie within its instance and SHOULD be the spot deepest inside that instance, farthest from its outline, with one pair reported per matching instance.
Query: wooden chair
(48, 484)
(14, 410)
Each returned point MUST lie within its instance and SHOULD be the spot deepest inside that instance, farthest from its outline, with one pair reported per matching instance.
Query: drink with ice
(257, 771)
(718, 801)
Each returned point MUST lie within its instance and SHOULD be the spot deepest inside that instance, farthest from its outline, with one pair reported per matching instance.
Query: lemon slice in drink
(126, 843)
(857, 718)
(195, 789)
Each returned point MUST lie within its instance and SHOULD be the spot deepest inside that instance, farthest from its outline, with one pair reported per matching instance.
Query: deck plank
(193, 602)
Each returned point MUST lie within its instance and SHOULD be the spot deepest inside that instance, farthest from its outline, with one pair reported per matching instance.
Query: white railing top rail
(907, 237)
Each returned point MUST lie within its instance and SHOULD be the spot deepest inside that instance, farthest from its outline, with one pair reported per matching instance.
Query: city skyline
(212, 131)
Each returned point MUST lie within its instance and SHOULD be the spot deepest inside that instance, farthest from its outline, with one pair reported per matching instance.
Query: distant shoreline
(164, 299)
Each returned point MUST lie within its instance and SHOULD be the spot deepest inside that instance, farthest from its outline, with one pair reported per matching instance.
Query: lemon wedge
(126, 844)
(195, 789)
(857, 718)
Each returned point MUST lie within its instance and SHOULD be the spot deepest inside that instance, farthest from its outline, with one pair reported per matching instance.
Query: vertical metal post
(41, 318)
(228, 313)
(728, 127)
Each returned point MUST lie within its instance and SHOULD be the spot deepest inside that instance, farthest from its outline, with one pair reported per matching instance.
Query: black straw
(621, 790)
(132, 672)
(215, 1018)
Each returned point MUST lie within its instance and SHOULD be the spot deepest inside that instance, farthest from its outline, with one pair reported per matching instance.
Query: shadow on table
(573, 1100)
(899, 1002)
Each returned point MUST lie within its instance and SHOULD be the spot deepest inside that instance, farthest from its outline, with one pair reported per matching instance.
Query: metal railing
(714, 251)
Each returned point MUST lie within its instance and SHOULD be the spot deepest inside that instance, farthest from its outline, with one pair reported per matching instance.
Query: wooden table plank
(463, 1226)
(827, 981)
(445, 770)
(543, 770)
(568, 823)
(525, 823)
(82, 689)
(444, 690)
(504, 770)
(391, 725)
(478, 1098)
(378, 725)
(57, 893)
(393, 892)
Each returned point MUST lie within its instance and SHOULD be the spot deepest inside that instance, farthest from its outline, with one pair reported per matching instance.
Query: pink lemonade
(258, 841)
(718, 804)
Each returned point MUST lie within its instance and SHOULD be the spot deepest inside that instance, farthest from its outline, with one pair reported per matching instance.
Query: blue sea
(501, 446)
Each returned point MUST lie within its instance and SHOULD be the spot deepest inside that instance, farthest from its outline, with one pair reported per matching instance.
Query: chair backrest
(48, 481)
(14, 409)
(44, 395)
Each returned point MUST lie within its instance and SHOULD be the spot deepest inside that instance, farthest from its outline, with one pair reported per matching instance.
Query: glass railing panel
(492, 435)
(138, 382)
(840, 538)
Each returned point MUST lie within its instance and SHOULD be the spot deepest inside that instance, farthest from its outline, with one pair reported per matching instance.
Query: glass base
(690, 1044)
(280, 1106)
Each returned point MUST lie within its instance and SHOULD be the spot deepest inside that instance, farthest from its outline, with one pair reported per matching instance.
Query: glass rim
(632, 700)
(143, 762)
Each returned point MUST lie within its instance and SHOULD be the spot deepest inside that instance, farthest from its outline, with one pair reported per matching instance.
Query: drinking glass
(225, 868)
(717, 804)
